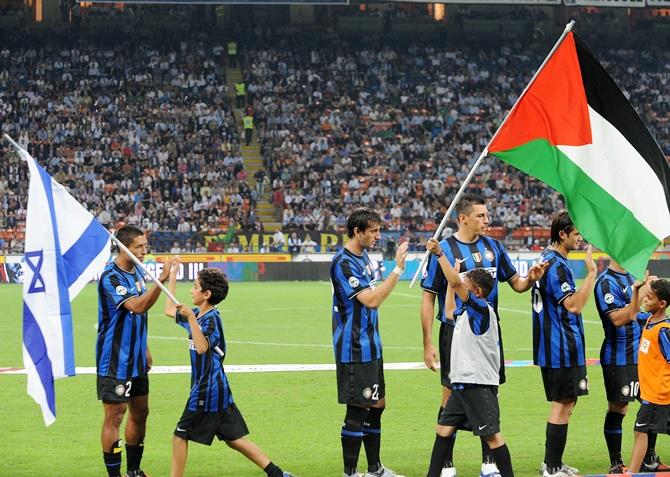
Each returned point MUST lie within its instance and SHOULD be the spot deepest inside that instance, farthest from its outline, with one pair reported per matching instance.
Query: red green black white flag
(575, 130)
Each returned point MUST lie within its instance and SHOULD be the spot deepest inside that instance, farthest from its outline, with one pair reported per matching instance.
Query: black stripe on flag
(605, 97)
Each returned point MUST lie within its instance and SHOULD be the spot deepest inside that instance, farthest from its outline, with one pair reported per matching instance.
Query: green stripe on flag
(600, 218)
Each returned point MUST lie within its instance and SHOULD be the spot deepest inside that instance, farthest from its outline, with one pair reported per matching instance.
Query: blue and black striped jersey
(613, 291)
(558, 335)
(121, 348)
(210, 390)
(485, 253)
(355, 327)
(478, 314)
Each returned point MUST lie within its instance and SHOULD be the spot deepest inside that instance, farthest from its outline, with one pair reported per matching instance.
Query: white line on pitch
(269, 343)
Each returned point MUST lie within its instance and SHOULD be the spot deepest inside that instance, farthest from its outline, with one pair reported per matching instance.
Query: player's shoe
(288, 474)
(654, 464)
(448, 472)
(136, 473)
(618, 468)
(489, 470)
(571, 471)
(383, 472)
(355, 474)
(562, 472)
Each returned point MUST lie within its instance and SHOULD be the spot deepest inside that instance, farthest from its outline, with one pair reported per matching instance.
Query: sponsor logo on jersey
(644, 346)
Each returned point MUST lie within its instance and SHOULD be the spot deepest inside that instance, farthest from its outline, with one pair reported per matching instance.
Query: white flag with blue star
(65, 247)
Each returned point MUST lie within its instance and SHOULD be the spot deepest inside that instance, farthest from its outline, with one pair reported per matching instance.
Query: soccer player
(356, 339)
(616, 294)
(210, 410)
(653, 369)
(475, 365)
(122, 356)
(558, 337)
(473, 249)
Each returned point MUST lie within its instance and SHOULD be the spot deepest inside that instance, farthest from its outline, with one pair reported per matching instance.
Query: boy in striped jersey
(210, 410)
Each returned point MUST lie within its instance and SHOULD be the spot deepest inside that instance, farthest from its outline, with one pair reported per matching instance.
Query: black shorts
(446, 337)
(114, 390)
(361, 384)
(475, 407)
(565, 383)
(621, 382)
(651, 418)
(200, 426)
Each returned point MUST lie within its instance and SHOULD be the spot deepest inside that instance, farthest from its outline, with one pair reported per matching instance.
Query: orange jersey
(653, 368)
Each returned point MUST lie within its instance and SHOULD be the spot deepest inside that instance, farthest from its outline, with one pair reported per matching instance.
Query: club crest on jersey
(477, 257)
(120, 390)
(489, 255)
(367, 393)
(121, 290)
(609, 298)
(565, 286)
(353, 282)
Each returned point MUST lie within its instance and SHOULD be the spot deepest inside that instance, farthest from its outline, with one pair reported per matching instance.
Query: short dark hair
(661, 288)
(128, 233)
(216, 282)
(562, 222)
(467, 201)
(482, 279)
(362, 219)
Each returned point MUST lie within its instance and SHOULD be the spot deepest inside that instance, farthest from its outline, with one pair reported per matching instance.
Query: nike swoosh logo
(637, 424)
(482, 427)
(625, 289)
(179, 429)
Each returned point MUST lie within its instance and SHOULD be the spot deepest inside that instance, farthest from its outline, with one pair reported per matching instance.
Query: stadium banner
(323, 241)
(658, 3)
(605, 3)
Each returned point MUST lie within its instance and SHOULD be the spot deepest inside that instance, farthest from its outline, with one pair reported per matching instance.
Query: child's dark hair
(128, 233)
(362, 218)
(482, 279)
(561, 223)
(216, 282)
(661, 289)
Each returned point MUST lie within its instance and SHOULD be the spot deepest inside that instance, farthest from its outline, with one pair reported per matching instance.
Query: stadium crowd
(144, 133)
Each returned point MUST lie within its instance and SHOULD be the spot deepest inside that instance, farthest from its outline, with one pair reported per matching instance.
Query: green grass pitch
(293, 416)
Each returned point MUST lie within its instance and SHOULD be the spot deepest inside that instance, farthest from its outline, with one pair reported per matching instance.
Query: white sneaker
(383, 472)
(489, 470)
(565, 471)
(448, 472)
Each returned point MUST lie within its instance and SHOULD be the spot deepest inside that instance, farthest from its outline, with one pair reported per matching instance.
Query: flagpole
(484, 153)
(122, 247)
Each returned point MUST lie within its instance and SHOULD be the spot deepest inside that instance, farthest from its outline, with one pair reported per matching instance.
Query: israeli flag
(65, 247)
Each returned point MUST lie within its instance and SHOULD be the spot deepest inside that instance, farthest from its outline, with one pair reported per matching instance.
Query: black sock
(134, 455)
(650, 456)
(503, 460)
(352, 437)
(557, 436)
(443, 449)
(113, 460)
(273, 471)
(613, 430)
(487, 455)
(372, 436)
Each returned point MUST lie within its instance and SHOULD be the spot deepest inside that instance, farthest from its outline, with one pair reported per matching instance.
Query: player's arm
(170, 308)
(450, 299)
(452, 276)
(142, 303)
(628, 313)
(200, 342)
(374, 297)
(427, 318)
(664, 343)
(575, 302)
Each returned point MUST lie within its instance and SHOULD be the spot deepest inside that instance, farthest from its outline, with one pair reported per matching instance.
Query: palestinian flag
(574, 130)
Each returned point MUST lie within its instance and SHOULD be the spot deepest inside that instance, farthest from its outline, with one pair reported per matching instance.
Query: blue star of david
(34, 261)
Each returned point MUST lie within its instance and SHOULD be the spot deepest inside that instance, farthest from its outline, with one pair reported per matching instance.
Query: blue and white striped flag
(65, 246)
